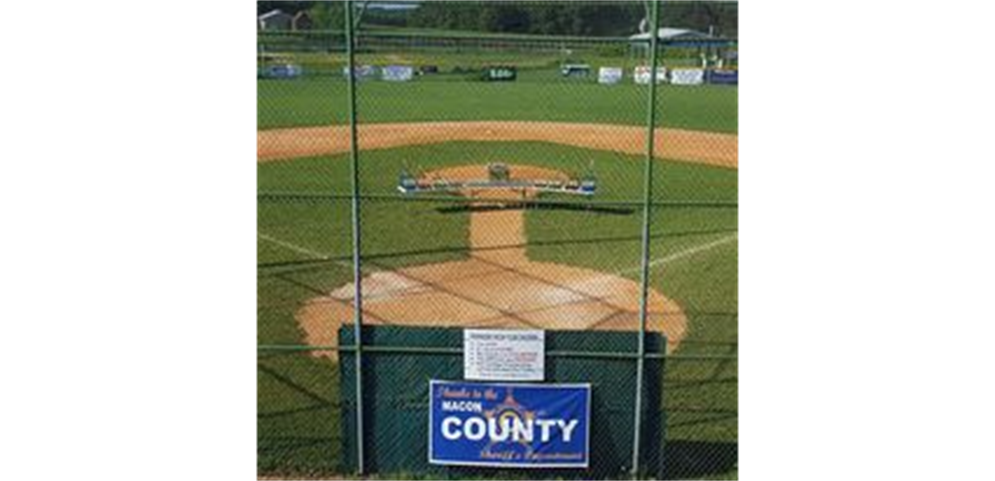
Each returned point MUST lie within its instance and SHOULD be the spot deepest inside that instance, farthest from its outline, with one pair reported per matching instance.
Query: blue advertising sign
(509, 425)
(724, 77)
(283, 71)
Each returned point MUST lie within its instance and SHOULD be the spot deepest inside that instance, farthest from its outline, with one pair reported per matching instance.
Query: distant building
(695, 45)
(280, 20)
(275, 20)
(667, 33)
(301, 21)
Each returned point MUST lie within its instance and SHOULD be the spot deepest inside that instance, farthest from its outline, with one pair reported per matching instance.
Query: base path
(498, 286)
(687, 145)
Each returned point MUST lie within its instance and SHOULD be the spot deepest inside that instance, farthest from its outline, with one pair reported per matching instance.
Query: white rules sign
(504, 355)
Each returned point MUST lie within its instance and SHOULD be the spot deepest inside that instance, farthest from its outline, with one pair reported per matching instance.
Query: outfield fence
(414, 184)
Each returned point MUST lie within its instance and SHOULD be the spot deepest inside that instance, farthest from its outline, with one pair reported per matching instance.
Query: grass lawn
(297, 415)
(322, 101)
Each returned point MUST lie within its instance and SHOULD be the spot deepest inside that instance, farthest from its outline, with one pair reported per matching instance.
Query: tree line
(559, 18)
(574, 18)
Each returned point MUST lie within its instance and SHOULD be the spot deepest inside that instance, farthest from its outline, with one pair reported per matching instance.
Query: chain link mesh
(500, 183)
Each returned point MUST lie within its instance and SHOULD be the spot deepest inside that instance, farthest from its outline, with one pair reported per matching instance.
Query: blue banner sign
(282, 71)
(509, 425)
(724, 77)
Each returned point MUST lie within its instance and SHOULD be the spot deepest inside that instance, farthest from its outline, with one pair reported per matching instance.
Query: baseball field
(561, 263)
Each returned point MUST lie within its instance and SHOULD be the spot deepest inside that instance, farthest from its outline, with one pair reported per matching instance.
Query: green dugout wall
(398, 363)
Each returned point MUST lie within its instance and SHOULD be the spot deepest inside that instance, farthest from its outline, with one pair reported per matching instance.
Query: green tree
(500, 18)
(328, 15)
(571, 18)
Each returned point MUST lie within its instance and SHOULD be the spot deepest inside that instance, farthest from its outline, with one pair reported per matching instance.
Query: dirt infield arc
(687, 145)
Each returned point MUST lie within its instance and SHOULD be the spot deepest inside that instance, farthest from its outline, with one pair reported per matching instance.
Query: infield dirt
(687, 145)
(497, 287)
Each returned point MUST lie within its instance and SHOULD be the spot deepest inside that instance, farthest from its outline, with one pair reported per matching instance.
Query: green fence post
(647, 204)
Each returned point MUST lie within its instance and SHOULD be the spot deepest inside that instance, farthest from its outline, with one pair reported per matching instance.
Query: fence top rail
(372, 348)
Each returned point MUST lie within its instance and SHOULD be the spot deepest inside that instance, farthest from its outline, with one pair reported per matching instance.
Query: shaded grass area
(322, 100)
(298, 414)
(298, 422)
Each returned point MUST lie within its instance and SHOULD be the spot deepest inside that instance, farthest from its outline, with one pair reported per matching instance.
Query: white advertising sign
(363, 71)
(641, 74)
(397, 73)
(687, 76)
(504, 355)
(609, 75)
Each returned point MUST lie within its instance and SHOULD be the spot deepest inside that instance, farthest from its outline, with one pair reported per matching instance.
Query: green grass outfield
(297, 394)
(322, 101)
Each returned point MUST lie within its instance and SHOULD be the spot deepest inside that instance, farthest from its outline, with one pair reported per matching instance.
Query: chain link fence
(415, 175)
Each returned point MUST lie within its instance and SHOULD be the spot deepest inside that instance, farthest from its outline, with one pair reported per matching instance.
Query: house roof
(669, 33)
(271, 14)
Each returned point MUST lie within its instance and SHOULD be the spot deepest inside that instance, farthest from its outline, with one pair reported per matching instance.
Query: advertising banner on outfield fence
(609, 75)
(687, 76)
(509, 425)
(397, 73)
(362, 71)
(724, 77)
(500, 74)
(641, 75)
(283, 71)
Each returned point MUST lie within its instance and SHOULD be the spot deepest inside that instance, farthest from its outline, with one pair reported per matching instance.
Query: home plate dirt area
(497, 287)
